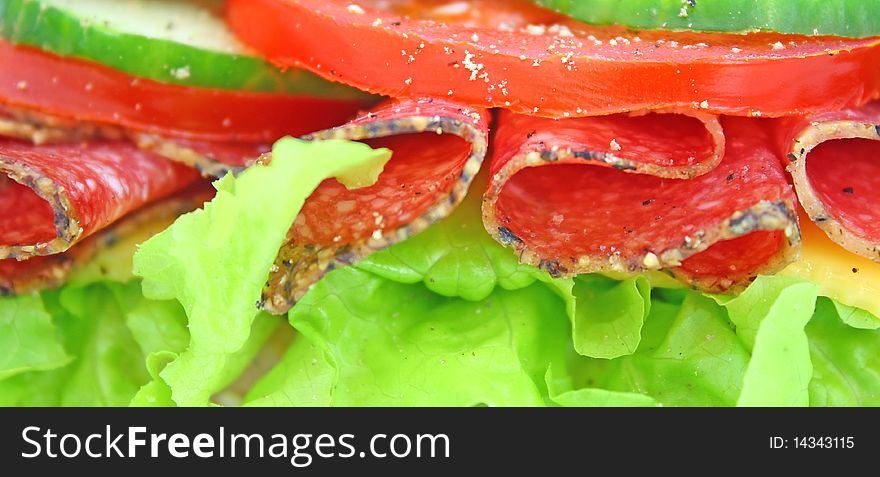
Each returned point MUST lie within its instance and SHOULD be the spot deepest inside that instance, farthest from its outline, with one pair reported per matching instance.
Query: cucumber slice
(172, 41)
(850, 18)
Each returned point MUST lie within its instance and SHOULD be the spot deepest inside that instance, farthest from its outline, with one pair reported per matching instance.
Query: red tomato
(88, 91)
(512, 54)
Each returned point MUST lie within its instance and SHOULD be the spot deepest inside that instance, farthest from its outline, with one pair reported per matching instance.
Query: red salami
(52, 196)
(211, 158)
(563, 214)
(438, 149)
(37, 273)
(834, 159)
(664, 145)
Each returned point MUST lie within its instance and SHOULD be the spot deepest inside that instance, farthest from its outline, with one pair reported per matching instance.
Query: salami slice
(834, 159)
(550, 202)
(438, 149)
(211, 158)
(42, 272)
(55, 195)
(665, 145)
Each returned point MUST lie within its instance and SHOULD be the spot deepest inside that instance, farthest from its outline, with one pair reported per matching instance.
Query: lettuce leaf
(856, 317)
(562, 392)
(770, 317)
(689, 355)
(845, 359)
(215, 260)
(418, 348)
(608, 315)
(455, 257)
(106, 366)
(27, 337)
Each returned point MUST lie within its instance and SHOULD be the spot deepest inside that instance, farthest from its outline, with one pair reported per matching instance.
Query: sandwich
(439, 203)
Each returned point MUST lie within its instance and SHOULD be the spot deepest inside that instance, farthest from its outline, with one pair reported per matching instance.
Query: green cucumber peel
(849, 18)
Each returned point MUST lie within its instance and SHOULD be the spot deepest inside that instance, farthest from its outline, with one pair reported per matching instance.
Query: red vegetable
(549, 201)
(438, 148)
(89, 92)
(834, 159)
(512, 54)
(52, 196)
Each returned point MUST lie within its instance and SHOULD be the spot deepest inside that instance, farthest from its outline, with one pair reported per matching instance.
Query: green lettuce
(216, 260)
(419, 348)
(92, 326)
(845, 359)
(455, 257)
(27, 337)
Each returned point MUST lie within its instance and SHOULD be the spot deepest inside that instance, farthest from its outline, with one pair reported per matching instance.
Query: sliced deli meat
(52, 196)
(438, 148)
(564, 211)
(47, 271)
(834, 159)
(212, 158)
(516, 55)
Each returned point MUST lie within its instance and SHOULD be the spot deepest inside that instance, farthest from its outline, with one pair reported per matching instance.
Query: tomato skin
(86, 91)
(761, 74)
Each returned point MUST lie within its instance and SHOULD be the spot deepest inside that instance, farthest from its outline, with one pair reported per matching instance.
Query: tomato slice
(87, 91)
(513, 54)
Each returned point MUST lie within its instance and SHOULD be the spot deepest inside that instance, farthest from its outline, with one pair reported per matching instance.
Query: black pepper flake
(529, 135)
(730, 177)
(848, 190)
(585, 155)
(506, 236)
(855, 270)
(647, 202)
(792, 157)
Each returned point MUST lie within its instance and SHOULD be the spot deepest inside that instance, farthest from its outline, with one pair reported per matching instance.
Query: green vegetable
(857, 317)
(455, 257)
(561, 393)
(608, 315)
(27, 337)
(689, 356)
(106, 366)
(851, 18)
(216, 260)
(846, 364)
(183, 42)
(780, 369)
(418, 348)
